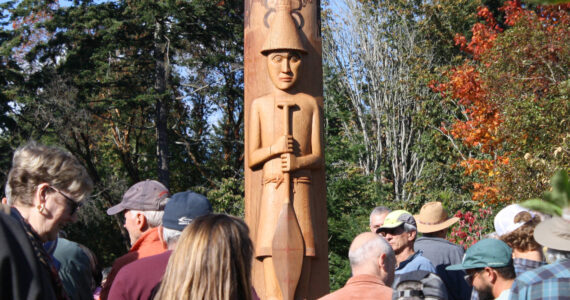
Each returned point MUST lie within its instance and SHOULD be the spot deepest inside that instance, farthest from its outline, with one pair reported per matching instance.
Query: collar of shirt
(408, 260)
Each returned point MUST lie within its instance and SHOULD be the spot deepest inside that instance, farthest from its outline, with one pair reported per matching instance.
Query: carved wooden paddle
(287, 241)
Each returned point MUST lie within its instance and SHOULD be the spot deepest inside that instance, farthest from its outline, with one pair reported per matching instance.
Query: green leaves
(555, 201)
(90, 85)
(548, 2)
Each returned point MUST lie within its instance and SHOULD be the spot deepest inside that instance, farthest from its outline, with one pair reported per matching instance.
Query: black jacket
(22, 274)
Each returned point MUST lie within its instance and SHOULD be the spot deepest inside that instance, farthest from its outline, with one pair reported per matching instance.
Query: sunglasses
(392, 231)
(71, 203)
(470, 277)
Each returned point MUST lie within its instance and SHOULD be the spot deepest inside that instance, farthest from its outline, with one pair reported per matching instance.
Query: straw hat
(283, 33)
(433, 218)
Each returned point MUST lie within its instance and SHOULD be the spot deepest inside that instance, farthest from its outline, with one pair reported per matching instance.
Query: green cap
(397, 218)
(485, 253)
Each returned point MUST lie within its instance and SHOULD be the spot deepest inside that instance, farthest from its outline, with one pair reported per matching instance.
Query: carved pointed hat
(283, 33)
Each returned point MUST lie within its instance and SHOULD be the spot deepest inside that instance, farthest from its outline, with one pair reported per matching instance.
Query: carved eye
(295, 58)
(277, 58)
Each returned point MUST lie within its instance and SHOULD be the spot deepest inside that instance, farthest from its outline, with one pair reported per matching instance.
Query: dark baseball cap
(144, 195)
(485, 253)
(184, 207)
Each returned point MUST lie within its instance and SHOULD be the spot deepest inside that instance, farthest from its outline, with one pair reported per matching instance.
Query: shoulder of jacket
(5, 208)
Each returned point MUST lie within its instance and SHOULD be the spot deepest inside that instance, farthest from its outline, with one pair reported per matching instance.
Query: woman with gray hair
(45, 187)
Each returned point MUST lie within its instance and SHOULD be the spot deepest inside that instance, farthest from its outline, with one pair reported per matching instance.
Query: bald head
(370, 254)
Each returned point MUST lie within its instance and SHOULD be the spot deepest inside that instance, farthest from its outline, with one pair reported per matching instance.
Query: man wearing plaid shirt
(551, 281)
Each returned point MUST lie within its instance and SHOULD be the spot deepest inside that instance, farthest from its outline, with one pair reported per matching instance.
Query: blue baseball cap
(184, 207)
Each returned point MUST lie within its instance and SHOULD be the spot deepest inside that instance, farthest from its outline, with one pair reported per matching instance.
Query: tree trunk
(161, 117)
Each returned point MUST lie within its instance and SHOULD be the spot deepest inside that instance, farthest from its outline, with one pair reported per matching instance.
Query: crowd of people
(525, 258)
(181, 249)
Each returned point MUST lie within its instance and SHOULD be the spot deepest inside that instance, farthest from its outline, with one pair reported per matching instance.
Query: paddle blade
(288, 251)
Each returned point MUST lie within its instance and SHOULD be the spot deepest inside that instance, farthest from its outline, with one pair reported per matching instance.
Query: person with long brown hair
(211, 261)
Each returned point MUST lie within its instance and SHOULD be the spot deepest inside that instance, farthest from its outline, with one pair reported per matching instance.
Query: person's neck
(25, 211)
(279, 93)
(501, 285)
(404, 254)
(368, 270)
(31, 217)
(530, 255)
(172, 245)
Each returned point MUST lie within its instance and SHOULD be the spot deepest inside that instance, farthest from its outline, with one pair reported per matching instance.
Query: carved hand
(289, 162)
(284, 144)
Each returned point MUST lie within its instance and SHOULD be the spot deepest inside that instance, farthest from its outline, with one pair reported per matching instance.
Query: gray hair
(34, 164)
(552, 255)
(7, 192)
(378, 210)
(409, 227)
(170, 236)
(372, 249)
(153, 217)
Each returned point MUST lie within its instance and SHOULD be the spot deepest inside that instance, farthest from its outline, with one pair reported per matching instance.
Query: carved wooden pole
(283, 64)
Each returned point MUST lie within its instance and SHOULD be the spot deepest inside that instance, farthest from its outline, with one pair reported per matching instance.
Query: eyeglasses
(71, 203)
(470, 277)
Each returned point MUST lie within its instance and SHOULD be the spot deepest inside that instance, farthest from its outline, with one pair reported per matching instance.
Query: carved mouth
(286, 79)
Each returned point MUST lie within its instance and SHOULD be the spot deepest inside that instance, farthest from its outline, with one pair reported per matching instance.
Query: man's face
(377, 220)
(480, 283)
(398, 238)
(283, 67)
(132, 226)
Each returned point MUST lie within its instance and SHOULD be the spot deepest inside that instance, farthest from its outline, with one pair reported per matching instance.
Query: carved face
(283, 67)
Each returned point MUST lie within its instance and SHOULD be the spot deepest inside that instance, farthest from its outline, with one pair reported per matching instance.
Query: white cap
(505, 220)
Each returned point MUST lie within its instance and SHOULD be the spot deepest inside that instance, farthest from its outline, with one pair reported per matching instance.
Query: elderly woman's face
(60, 210)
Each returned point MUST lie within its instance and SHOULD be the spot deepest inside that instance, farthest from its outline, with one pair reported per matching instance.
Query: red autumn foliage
(480, 127)
(471, 227)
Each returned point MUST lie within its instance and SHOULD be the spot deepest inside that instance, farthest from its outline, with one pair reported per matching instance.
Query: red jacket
(147, 245)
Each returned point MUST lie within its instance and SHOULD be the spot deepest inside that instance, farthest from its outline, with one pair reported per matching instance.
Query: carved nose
(285, 68)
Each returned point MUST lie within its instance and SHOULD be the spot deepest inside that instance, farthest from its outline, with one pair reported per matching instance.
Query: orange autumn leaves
(483, 34)
(480, 127)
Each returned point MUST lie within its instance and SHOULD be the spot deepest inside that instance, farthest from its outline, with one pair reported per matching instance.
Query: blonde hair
(211, 261)
(34, 164)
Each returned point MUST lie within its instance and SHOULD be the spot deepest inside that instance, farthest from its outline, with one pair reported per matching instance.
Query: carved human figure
(296, 152)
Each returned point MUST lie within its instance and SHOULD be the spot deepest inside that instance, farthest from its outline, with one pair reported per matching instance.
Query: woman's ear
(39, 200)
